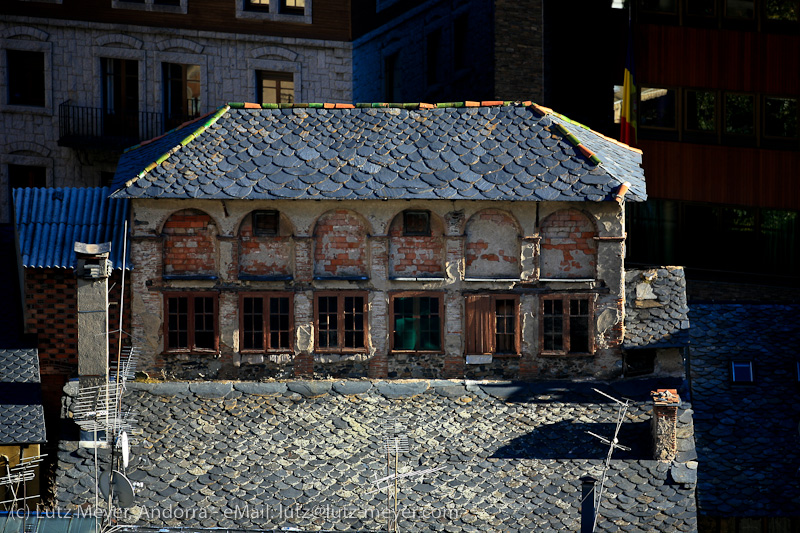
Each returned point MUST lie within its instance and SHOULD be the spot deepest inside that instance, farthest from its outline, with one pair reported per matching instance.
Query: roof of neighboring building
(21, 413)
(656, 312)
(456, 151)
(748, 439)
(50, 220)
(502, 456)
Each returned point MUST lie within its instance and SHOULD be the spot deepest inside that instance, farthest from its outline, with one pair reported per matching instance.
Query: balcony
(95, 127)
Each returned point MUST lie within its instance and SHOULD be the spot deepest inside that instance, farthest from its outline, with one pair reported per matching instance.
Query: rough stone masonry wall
(313, 221)
(228, 64)
(51, 314)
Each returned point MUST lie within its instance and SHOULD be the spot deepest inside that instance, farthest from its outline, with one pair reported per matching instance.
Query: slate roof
(21, 413)
(747, 436)
(370, 151)
(50, 220)
(656, 312)
(511, 456)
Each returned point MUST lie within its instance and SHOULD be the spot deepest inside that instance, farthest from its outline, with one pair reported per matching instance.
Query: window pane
(279, 320)
(177, 322)
(505, 331)
(742, 372)
(553, 325)
(25, 72)
(416, 223)
(265, 223)
(253, 327)
(780, 117)
(354, 322)
(739, 114)
(739, 9)
(657, 108)
(659, 6)
(328, 322)
(781, 10)
(700, 8)
(701, 111)
(204, 323)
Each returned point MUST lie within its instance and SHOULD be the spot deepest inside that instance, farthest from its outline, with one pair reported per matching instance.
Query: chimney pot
(664, 424)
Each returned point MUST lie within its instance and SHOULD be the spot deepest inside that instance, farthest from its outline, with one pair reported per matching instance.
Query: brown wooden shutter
(479, 332)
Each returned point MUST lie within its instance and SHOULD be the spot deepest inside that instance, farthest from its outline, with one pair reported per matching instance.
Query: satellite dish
(126, 451)
(120, 486)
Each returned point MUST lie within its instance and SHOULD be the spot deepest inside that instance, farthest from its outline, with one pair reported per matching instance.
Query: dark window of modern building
(701, 111)
(657, 108)
(740, 9)
(416, 323)
(266, 322)
(191, 322)
(25, 75)
(275, 87)
(460, 42)
(120, 96)
(433, 44)
(780, 117)
(739, 114)
(659, 6)
(391, 78)
(181, 92)
(701, 8)
(293, 7)
(782, 10)
(341, 320)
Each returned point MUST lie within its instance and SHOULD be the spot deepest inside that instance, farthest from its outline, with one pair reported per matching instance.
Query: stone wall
(312, 222)
(73, 51)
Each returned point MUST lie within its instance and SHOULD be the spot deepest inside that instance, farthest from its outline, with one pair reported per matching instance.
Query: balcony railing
(95, 127)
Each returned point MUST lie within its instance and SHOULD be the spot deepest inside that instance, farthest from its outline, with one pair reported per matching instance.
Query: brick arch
(568, 245)
(492, 245)
(266, 255)
(416, 255)
(189, 244)
(340, 245)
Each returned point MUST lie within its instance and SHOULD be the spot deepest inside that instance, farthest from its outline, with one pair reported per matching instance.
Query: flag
(628, 116)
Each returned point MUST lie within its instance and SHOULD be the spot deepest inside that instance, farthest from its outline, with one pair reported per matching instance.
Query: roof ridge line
(367, 105)
(215, 115)
(606, 137)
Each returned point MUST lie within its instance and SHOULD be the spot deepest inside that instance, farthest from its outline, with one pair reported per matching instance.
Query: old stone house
(460, 240)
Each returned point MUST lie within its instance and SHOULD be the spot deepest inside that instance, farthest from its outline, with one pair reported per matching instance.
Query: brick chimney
(92, 271)
(665, 419)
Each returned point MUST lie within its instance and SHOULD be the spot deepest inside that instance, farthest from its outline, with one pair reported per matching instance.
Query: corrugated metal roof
(49, 221)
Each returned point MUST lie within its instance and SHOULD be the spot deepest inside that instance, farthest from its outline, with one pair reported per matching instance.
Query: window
(417, 223)
(657, 108)
(416, 322)
(460, 42)
(341, 322)
(742, 372)
(181, 92)
(701, 111)
(266, 322)
(701, 8)
(191, 323)
(659, 6)
(739, 114)
(293, 7)
(780, 117)
(25, 72)
(256, 5)
(786, 10)
(23, 176)
(433, 52)
(492, 324)
(275, 87)
(739, 9)
(639, 362)
(166, 6)
(567, 325)
(265, 223)
(120, 96)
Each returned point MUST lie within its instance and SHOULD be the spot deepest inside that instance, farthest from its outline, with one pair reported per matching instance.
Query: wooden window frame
(486, 325)
(266, 296)
(417, 294)
(565, 338)
(279, 78)
(341, 295)
(191, 295)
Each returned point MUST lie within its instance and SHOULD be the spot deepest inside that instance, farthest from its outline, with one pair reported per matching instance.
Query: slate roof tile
(21, 412)
(656, 312)
(491, 143)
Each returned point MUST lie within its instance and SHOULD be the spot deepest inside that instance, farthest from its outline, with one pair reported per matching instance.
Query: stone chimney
(92, 270)
(665, 419)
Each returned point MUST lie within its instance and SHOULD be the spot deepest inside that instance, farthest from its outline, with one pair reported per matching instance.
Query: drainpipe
(588, 511)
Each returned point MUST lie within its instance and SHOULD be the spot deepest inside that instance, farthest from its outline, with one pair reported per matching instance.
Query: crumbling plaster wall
(606, 290)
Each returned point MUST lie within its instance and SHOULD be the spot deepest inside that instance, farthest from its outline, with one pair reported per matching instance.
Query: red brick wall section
(263, 256)
(568, 248)
(340, 245)
(51, 305)
(189, 246)
(492, 247)
(416, 255)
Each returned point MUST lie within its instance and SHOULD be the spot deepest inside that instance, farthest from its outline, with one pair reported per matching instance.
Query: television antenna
(16, 477)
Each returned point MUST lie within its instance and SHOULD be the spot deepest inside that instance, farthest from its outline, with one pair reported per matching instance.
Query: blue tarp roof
(49, 222)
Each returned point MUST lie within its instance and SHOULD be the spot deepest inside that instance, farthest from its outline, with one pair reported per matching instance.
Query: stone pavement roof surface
(511, 456)
(656, 312)
(307, 151)
(21, 413)
(50, 220)
(747, 436)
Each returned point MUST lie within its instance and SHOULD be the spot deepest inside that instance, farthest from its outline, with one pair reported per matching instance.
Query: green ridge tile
(285, 106)
(269, 106)
(596, 160)
(316, 105)
(236, 105)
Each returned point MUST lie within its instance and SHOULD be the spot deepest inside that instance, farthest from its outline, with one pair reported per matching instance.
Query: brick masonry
(568, 245)
(262, 255)
(357, 239)
(416, 255)
(189, 244)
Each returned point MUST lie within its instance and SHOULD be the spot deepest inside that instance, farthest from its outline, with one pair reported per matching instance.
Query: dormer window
(417, 223)
(265, 223)
(742, 372)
